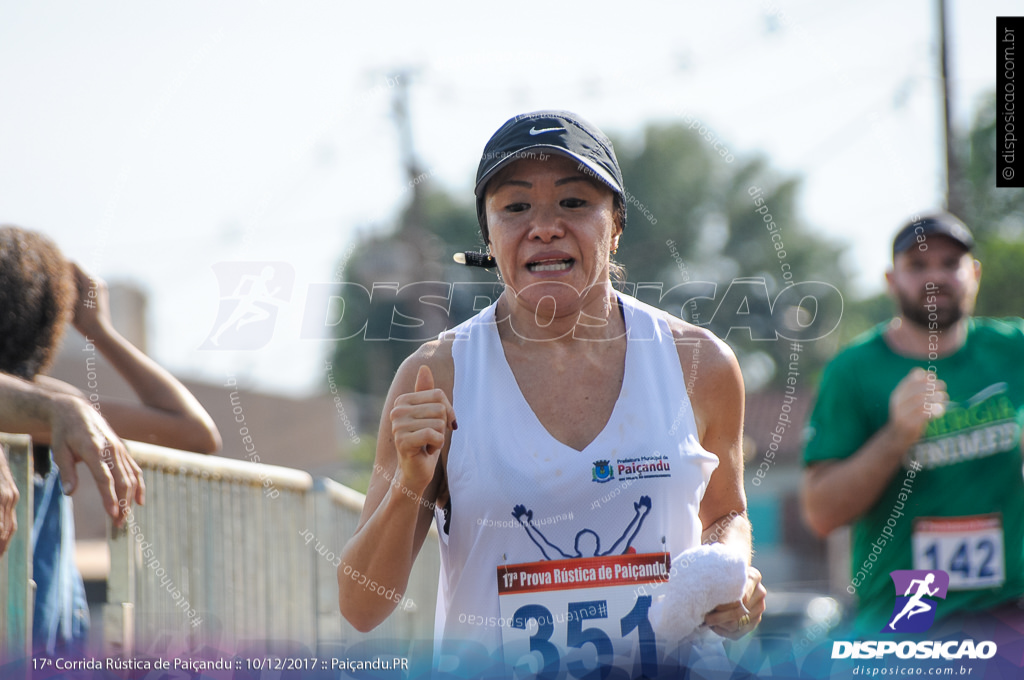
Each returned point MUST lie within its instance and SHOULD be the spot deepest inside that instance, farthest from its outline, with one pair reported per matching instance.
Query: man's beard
(945, 315)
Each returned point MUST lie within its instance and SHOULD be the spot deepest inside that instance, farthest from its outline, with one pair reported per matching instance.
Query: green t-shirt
(968, 464)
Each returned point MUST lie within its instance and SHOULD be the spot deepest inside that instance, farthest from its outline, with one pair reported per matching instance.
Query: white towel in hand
(700, 579)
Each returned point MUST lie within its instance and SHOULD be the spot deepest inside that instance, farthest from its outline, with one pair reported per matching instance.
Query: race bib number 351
(580, 617)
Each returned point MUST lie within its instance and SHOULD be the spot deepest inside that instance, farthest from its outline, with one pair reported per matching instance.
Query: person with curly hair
(40, 293)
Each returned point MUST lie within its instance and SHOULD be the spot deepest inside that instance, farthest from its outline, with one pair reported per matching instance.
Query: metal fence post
(17, 589)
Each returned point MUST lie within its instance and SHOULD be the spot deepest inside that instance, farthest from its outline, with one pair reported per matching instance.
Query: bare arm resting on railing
(56, 413)
(76, 434)
(408, 479)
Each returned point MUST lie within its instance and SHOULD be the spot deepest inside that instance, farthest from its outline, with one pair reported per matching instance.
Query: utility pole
(954, 199)
(413, 220)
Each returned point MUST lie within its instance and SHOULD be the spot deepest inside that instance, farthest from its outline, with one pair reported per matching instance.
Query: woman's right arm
(415, 428)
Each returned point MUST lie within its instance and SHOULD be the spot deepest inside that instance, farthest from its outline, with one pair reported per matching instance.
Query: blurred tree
(696, 215)
(861, 315)
(1002, 279)
(989, 211)
(996, 216)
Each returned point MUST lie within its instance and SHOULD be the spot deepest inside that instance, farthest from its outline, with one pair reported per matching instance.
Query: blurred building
(307, 433)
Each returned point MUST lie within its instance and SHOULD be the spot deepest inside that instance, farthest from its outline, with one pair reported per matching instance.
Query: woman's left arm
(715, 387)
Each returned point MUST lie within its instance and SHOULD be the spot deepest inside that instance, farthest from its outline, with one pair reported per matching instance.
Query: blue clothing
(61, 615)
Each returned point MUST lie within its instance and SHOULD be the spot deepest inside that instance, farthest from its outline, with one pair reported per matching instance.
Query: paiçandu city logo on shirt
(635, 467)
(916, 590)
(603, 471)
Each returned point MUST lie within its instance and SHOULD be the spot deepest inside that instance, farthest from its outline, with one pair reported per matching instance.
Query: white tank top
(582, 502)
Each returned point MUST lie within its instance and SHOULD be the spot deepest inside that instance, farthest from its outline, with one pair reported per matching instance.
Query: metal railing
(228, 555)
(242, 557)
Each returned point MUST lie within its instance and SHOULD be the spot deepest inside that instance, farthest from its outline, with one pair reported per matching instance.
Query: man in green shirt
(915, 439)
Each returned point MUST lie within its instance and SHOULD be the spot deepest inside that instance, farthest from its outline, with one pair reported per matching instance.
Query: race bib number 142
(970, 549)
(580, 617)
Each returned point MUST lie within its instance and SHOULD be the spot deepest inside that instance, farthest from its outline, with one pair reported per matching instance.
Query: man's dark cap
(916, 232)
(531, 134)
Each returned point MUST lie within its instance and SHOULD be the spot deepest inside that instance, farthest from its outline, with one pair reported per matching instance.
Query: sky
(160, 143)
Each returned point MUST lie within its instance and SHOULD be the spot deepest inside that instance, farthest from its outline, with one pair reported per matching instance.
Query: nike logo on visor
(535, 131)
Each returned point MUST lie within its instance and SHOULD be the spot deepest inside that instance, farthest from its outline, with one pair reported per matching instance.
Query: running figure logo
(581, 547)
(251, 293)
(913, 613)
